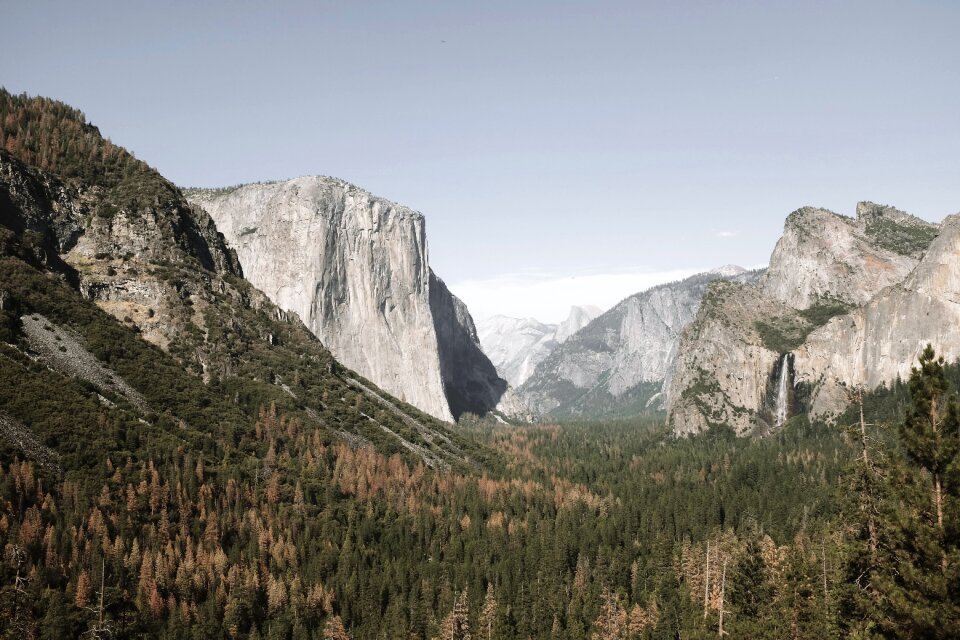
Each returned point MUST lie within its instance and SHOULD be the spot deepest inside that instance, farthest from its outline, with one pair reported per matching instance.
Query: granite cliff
(879, 342)
(355, 268)
(825, 256)
(832, 311)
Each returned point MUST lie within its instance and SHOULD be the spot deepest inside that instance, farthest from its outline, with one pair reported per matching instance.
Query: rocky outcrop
(703, 388)
(825, 256)
(355, 268)
(617, 363)
(517, 345)
(880, 341)
(834, 310)
(142, 263)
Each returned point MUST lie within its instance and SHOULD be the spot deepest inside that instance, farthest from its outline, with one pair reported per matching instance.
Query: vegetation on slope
(786, 333)
(264, 493)
(903, 238)
(56, 138)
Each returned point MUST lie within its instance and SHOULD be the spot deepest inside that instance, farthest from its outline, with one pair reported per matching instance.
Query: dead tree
(706, 587)
(101, 629)
(723, 591)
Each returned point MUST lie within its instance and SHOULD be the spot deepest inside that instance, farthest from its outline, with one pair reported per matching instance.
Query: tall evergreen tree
(911, 575)
(749, 586)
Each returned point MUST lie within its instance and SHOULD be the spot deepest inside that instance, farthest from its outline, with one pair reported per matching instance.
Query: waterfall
(783, 391)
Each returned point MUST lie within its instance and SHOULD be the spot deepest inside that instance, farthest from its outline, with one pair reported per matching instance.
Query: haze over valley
(616, 321)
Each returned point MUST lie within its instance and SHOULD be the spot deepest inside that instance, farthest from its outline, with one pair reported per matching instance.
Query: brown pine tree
(334, 630)
(456, 626)
(84, 589)
(611, 623)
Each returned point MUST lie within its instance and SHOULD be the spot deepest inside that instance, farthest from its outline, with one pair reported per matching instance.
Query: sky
(562, 152)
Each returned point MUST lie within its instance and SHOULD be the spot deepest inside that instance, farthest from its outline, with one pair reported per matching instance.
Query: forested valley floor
(613, 530)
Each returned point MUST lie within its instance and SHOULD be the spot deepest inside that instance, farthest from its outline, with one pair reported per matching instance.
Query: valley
(257, 412)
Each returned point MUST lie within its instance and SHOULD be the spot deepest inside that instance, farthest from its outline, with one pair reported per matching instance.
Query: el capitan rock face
(355, 268)
(846, 302)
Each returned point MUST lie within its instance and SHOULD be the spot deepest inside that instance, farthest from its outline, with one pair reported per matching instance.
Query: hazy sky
(562, 152)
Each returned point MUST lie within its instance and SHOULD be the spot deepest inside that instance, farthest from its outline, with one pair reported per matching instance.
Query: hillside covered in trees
(205, 469)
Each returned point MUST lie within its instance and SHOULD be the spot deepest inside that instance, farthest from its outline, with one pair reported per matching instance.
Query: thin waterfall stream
(783, 391)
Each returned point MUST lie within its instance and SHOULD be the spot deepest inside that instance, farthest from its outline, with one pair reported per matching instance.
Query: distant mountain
(616, 364)
(517, 345)
(846, 303)
(578, 318)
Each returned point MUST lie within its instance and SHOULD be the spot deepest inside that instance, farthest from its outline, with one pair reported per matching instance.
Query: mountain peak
(579, 317)
(728, 270)
(868, 212)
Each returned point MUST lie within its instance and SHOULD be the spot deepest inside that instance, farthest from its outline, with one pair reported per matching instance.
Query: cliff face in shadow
(470, 380)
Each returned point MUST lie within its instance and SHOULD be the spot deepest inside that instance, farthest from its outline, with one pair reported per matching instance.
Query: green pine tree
(907, 571)
(750, 592)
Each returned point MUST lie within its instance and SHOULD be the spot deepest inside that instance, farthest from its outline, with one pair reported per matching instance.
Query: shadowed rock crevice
(470, 380)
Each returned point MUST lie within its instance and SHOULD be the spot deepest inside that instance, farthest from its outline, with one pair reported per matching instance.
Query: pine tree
(749, 587)
(611, 622)
(931, 432)
(867, 501)
(921, 588)
(83, 590)
(488, 615)
(333, 629)
(456, 626)
(908, 570)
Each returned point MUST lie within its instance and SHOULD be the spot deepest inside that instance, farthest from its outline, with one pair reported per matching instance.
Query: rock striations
(355, 268)
(846, 302)
(617, 363)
